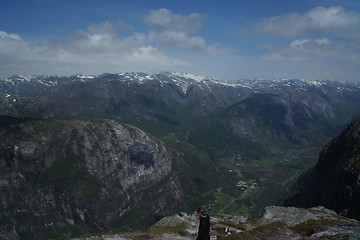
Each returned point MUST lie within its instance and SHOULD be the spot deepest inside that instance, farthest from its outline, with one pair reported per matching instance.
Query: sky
(224, 39)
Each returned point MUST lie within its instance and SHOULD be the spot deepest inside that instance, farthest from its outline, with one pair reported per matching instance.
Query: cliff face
(335, 180)
(81, 174)
(279, 120)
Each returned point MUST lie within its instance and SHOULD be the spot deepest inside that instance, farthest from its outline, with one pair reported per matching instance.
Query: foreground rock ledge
(276, 223)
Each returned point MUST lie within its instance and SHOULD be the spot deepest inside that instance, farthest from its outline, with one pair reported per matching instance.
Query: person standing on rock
(204, 227)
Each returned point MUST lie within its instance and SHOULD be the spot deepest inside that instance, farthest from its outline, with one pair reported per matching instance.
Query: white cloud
(171, 43)
(13, 51)
(170, 30)
(172, 39)
(304, 49)
(106, 27)
(216, 50)
(90, 52)
(11, 46)
(317, 21)
(166, 20)
(4, 35)
(148, 54)
(321, 40)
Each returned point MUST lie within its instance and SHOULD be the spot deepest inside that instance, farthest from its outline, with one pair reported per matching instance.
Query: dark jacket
(204, 228)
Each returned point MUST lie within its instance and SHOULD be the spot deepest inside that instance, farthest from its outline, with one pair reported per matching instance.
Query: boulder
(289, 215)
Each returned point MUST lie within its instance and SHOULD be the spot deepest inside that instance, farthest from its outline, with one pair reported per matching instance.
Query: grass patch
(357, 162)
(226, 204)
(64, 233)
(25, 217)
(141, 211)
(65, 172)
(179, 229)
(261, 232)
(312, 226)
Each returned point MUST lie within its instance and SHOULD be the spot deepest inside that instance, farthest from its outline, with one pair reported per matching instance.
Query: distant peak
(81, 76)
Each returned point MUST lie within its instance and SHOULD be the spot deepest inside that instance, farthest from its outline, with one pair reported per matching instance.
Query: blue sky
(227, 39)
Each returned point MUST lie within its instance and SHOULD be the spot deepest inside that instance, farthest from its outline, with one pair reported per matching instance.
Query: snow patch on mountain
(185, 80)
(192, 77)
(84, 76)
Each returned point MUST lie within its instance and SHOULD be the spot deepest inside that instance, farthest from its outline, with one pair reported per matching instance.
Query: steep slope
(176, 101)
(280, 120)
(132, 93)
(32, 107)
(335, 180)
(75, 176)
(244, 142)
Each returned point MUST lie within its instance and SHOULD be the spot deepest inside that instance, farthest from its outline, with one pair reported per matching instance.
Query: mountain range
(85, 153)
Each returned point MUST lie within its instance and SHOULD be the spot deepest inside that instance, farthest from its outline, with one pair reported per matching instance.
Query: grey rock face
(334, 182)
(55, 174)
(312, 223)
(291, 215)
(140, 153)
(287, 117)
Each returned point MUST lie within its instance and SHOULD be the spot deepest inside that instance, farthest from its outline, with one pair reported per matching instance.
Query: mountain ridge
(240, 146)
(186, 77)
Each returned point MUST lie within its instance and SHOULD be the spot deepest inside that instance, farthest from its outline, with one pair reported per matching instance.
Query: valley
(234, 147)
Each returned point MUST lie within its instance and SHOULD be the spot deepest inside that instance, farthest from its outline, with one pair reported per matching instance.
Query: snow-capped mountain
(174, 99)
(140, 94)
(229, 129)
(181, 80)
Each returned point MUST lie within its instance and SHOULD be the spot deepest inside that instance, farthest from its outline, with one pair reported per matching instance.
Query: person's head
(201, 211)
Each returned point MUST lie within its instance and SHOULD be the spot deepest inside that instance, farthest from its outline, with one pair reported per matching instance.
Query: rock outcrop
(78, 175)
(288, 223)
(335, 180)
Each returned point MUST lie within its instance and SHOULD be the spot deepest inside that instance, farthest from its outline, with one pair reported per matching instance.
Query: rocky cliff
(243, 144)
(77, 176)
(335, 180)
(283, 119)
